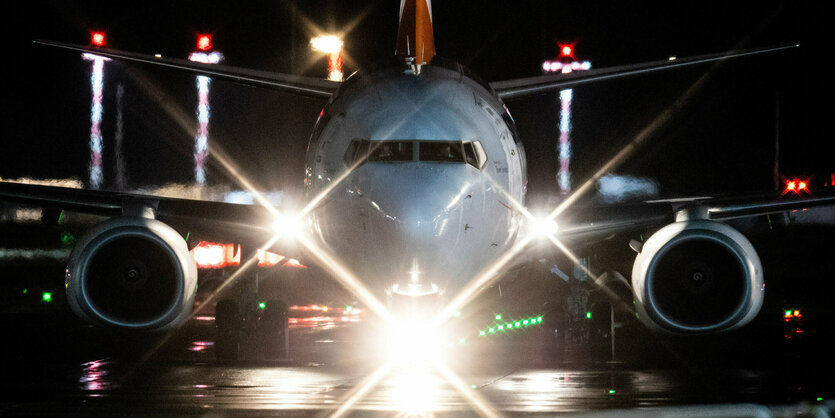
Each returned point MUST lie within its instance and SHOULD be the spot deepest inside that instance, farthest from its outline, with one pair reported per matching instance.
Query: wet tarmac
(52, 364)
(62, 368)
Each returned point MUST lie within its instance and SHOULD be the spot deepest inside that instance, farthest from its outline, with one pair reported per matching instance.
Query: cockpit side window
(357, 152)
(474, 153)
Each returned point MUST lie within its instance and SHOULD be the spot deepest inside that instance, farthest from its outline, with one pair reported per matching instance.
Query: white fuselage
(417, 217)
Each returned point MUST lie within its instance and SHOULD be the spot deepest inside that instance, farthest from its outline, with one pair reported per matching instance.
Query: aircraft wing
(305, 86)
(578, 224)
(520, 87)
(242, 222)
(247, 222)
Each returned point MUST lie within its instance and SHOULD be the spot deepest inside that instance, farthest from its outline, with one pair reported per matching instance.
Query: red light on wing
(204, 42)
(97, 38)
(791, 186)
(802, 185)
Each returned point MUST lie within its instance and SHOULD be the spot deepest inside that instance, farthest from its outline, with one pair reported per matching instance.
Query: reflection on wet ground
(333, 365)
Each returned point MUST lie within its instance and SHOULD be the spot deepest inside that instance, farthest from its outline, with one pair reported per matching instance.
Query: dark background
(723, 141)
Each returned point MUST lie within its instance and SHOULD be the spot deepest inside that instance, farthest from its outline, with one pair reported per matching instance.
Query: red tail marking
(414, 36)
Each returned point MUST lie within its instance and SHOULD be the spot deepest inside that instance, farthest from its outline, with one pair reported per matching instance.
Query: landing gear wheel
(227, 330)
(276, 342)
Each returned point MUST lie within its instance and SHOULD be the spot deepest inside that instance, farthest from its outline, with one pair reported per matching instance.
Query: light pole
(565, 64)
(204, 54)
(97, 81)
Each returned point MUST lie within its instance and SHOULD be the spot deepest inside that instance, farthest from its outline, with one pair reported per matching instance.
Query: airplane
(415, 179)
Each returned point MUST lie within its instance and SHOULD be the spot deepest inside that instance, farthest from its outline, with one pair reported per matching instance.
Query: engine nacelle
(132, 272)
(697, 277)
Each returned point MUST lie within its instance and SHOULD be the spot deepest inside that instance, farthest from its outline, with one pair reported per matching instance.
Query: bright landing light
(287, 226)
(414, 342)
(415, 392)
(544, 227)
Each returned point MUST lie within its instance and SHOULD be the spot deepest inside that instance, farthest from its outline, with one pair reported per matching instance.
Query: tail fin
(415, 41)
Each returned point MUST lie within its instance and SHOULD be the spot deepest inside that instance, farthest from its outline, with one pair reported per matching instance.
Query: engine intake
(132, 272)
(697, 277)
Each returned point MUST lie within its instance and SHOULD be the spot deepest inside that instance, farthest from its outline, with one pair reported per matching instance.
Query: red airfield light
(567, 50)
(211, 255)
(97, 38)
(796, 186)
(204, 42)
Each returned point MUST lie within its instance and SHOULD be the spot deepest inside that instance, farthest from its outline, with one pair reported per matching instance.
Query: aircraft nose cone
(419, 200)
(413, 215)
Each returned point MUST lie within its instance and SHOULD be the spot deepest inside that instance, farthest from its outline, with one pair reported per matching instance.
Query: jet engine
(132, 272)
(697, 277)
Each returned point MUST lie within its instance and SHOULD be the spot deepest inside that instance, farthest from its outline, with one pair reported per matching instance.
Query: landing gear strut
(245, 327)
(228, 323)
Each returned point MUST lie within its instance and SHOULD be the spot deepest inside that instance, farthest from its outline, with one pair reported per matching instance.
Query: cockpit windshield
(361, 151)
(441, 151)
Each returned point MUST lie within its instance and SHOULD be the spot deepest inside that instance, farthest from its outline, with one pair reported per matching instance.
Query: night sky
(723, 142)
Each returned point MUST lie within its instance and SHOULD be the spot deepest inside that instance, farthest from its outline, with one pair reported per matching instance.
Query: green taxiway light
(492, 330)
(517, 324)
(588, 315)
(462, 341)
(25, 291)
(262, 305)
(498, 317)
(500, 327)
(481, 333)
(539, 319)
(819, 399)
(473, 387)
(611, 391)
(46, 297)
(67, 238)
(788, 313)
(456, 314)
(525, 322)
(349, 308)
